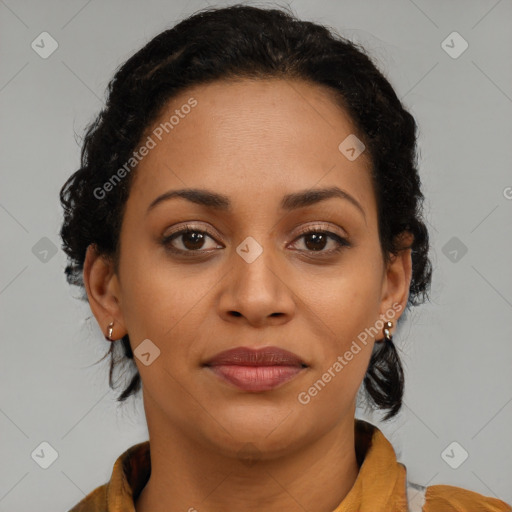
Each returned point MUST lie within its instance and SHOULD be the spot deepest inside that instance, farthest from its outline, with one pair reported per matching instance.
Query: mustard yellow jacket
(381, 485)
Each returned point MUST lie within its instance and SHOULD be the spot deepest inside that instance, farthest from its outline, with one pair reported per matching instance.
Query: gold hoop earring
(110, 331)
(386, 331)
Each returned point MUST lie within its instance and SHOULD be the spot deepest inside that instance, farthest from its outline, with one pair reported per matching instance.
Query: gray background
(456, 350)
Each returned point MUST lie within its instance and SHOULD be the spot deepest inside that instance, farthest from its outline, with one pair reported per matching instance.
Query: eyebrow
(289, 202)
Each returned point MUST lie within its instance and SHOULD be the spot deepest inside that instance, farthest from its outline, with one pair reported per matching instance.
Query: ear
(103, 291)
(397, 279)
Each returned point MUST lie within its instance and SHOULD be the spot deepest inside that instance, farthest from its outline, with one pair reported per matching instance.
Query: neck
(187, 474)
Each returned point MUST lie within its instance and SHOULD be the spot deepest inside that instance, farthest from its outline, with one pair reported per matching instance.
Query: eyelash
(342, 242)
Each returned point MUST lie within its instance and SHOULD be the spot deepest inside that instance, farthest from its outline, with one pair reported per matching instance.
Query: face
(250, 273)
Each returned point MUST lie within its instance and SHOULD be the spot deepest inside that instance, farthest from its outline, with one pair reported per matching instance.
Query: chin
(271, 431)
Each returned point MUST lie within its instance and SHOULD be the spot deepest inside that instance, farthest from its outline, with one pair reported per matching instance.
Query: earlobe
(101, 285)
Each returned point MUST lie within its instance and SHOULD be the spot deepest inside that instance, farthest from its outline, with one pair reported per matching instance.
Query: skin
(254, 141)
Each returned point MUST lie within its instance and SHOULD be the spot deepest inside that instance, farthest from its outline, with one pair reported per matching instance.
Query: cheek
(148, 294)
(159, 296)
(347, 305)
(331, 390)
(348, 299)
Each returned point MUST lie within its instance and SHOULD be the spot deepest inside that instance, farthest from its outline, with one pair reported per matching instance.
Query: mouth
(256, 370)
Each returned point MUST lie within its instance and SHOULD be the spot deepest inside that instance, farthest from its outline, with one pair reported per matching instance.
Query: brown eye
(193, 240)
(315, 240)
(190, 239)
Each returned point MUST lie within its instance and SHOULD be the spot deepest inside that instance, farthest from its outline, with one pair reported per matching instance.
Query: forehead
(260, 137)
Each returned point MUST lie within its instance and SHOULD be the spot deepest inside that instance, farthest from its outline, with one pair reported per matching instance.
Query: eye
(316, 239)
(192, 240)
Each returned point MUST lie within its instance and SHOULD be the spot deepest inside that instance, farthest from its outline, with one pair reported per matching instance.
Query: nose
(256, 290)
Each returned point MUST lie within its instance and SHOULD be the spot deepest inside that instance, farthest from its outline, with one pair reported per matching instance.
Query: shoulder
(129, 475)
(95, 501)
(448, 498)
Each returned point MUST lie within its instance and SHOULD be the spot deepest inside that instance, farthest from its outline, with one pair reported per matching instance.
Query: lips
(266, 356)
(256, 370)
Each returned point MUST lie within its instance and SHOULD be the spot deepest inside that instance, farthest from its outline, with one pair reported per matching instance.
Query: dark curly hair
(242, 41)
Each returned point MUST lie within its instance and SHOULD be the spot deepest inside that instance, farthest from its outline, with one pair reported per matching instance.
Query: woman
(247, 226)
